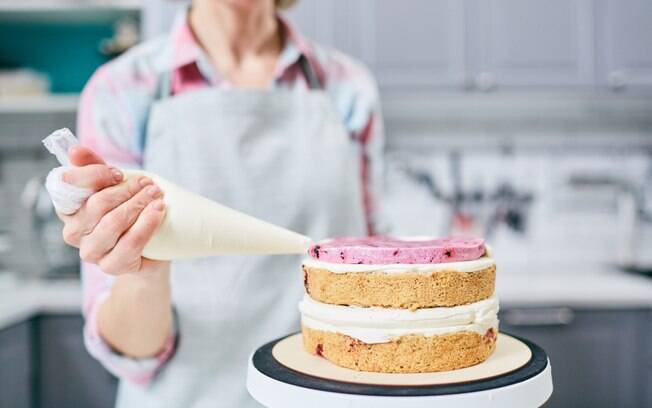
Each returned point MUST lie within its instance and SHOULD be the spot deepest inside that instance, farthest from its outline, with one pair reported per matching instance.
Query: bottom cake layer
(407, 354)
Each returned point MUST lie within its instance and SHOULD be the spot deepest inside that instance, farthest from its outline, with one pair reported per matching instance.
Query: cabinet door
(314, 19)
(596, 356)
(15, 367)
(624, 43)
(413, 44)
(530, 42)
(647, 375)
(69, 376)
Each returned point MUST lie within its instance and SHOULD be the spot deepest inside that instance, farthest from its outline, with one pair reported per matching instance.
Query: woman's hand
(118, 219)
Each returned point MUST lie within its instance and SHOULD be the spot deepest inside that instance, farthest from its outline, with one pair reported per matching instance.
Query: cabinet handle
(617, 80)
(561, 316)
(485, 81)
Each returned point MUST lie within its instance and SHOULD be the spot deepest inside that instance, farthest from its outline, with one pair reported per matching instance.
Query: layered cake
(400, 305)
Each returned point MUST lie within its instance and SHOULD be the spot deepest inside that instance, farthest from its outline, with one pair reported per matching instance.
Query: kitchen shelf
(55, 5)
(66, 11)
(52, 103)
(24, 121)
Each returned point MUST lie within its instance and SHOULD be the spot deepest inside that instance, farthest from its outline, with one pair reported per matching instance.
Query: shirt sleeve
(108, 123)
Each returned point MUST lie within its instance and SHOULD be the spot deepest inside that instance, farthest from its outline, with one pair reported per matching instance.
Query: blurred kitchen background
(526, 121)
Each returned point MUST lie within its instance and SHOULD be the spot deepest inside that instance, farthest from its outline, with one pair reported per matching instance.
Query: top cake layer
(382, 250)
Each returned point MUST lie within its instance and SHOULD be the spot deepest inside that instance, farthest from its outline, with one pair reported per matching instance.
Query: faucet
(506, 204)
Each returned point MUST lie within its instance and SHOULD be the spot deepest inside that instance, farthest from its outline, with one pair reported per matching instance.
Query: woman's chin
(243, 4)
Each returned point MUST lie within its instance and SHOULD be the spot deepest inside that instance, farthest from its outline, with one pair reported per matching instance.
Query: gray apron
(282, 156)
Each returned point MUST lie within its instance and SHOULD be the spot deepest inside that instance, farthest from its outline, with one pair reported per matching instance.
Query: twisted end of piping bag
(195, 226)
(66, 198)
(58, 144)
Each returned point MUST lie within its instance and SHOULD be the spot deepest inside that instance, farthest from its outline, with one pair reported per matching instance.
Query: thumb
(83, 156)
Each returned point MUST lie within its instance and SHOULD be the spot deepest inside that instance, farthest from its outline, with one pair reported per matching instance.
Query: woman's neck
(240, 41)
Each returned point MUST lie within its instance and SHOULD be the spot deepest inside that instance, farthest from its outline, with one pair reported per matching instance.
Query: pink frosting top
(381, 250)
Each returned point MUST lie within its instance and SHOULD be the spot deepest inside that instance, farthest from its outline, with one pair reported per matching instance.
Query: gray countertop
(21, 300)
(605, 289)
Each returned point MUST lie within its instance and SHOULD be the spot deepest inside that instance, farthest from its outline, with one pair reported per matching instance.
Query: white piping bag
(194, 226)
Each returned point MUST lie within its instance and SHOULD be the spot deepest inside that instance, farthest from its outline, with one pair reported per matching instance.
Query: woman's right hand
(118, 219)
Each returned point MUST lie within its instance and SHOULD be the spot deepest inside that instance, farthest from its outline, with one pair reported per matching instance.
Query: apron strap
(309, 73)
(164, 86)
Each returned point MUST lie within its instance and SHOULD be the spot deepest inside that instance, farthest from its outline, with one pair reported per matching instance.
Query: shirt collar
(186, 50)
(184, 45)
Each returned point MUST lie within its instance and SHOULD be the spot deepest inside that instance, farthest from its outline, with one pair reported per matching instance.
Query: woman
(237, 106)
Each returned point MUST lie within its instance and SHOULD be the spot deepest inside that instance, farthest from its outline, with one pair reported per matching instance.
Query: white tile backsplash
(569, 229)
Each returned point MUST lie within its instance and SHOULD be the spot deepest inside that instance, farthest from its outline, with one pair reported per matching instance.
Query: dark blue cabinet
(43, 364)
(599, 358)
(15, 367)
(69, 376)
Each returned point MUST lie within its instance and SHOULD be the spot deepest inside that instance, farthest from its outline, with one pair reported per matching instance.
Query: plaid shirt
(113, 115)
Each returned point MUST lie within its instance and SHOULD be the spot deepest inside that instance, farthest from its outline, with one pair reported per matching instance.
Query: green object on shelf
(66, 51)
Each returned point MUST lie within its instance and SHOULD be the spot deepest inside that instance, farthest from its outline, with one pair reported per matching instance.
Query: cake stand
(282, 374)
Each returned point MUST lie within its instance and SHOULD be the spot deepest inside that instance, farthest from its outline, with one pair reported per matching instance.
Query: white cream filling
(463, 266)
(381, 325)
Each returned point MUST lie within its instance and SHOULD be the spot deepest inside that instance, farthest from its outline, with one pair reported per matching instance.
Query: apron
(282, 156)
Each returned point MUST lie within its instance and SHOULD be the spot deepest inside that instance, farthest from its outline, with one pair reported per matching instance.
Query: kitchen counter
(21, 300)
(613, 289)
(605, 289)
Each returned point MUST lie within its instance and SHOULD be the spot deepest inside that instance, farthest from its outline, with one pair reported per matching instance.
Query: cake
(395, 305)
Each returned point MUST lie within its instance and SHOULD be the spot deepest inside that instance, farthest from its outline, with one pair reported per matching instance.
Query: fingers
(70, 187)
(83, 156)
(93, 176)
(108, 199)
(126, 256)
(84, 221)
(113, 225)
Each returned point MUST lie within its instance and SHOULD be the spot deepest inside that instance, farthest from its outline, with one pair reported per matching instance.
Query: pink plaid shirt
(113, 114)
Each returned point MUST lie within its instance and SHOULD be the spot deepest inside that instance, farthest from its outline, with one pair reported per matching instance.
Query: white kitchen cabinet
(315, 20)
(624, 35)
(453, 44)
(413, 44)
(406, 44)
(517, 43)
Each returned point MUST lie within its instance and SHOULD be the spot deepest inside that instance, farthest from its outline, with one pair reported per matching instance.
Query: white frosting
(463, 266)
(381, 325)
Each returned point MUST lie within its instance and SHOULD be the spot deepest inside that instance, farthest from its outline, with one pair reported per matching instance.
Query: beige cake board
(510, 355)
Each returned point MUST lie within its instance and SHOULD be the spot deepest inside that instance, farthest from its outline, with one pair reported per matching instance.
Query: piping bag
(194, 226)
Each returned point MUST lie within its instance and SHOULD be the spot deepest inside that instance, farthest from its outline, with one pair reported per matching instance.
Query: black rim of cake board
(264, 361)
